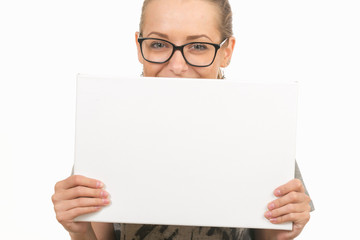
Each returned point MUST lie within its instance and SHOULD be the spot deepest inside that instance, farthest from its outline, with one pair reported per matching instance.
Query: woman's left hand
(291, 206)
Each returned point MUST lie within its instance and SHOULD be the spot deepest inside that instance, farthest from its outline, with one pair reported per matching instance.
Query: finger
(73, 213)
(287, 209)
(294, 185)
(292, 197)
(78, 180)
(81, 202)
(292, 217)
(80, 191)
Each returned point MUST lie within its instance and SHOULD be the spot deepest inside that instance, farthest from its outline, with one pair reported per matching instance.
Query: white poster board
(195, 152)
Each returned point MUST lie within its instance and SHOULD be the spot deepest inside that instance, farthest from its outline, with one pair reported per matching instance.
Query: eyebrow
(159, 34)
(191, 37)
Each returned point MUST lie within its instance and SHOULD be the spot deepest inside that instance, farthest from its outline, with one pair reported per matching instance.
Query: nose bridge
(177, 62)
(180, 50)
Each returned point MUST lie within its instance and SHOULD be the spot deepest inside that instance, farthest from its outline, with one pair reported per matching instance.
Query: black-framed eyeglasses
(197, 54)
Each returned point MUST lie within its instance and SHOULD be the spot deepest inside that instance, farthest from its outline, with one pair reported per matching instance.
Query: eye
(199, 47)
(157, 45)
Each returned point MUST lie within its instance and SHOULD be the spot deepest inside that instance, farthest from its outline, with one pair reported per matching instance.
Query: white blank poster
(196, 152)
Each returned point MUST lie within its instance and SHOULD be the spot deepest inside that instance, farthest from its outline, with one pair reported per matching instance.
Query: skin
(292, 205)
(178, 22)
(78, 195)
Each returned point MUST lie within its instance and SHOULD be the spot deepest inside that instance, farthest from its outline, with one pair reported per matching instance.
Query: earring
(222, 73)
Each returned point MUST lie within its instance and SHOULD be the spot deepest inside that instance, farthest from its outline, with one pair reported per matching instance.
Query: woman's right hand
(75, 196)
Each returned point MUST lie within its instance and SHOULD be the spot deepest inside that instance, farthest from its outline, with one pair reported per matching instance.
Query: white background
(44, 44)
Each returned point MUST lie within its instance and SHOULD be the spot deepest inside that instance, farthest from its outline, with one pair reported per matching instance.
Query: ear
(228, 50)
(140, 58)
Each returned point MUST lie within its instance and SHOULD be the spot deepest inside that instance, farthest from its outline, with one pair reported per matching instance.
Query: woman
(202, 32)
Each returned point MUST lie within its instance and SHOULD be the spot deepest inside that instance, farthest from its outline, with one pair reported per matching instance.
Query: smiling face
(181, 22)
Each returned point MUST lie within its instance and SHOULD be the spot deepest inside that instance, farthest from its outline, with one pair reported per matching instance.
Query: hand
(75, 196)
(291, 206)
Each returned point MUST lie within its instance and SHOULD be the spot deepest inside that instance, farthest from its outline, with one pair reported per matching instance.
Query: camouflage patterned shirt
(171, 232)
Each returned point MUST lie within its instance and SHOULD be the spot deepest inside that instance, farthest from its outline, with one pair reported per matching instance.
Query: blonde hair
(225, 24)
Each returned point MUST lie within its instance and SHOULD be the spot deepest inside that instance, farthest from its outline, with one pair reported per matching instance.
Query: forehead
(181, 18)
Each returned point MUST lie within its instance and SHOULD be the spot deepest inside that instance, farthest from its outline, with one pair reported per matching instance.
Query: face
(181, 22)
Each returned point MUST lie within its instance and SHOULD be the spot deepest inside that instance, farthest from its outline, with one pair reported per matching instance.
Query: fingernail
(268, 214)
(106, 201)
(277, 192)
(271, 206)
(273, 220)
(99, 184)
(104, 194)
